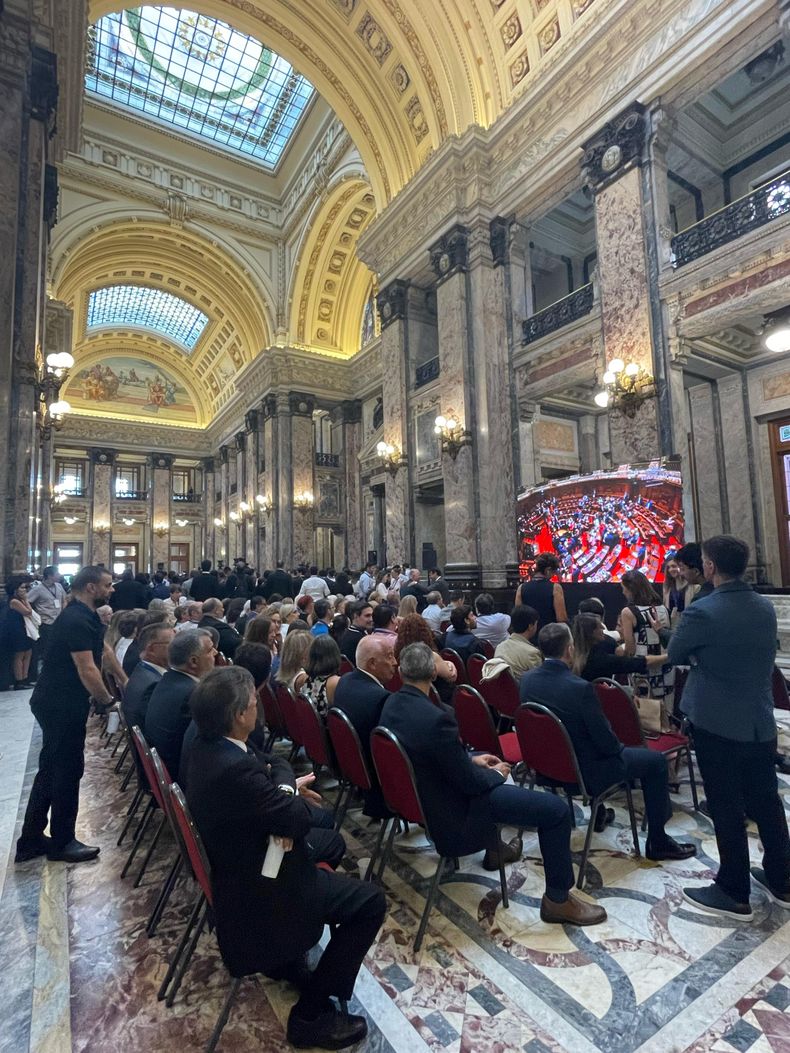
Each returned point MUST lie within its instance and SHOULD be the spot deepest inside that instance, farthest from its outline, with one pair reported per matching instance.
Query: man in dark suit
(415, 588)
(266, 924)
(203, 584)
(729, 640)
(464, 796)
(360, 695)
(361, 625)
(154, 642)
(603, 759)
(278, 583)
(190, 657)
(130, 593)
(436, 583)
(229, 639)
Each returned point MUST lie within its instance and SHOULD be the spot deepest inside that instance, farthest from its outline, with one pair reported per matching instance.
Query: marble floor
(78, 972)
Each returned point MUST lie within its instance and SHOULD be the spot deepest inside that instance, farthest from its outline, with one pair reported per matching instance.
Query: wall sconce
(182, 522)
(70, 520)
(626, 387)
(390, 456)
(776, 331)
(218, 523)
(235, 517)
(52, 409)
(162, 529)
(451, 435)
(58, 496)
(303, 501)
(264, 503)
(129, 522)
(102, 529)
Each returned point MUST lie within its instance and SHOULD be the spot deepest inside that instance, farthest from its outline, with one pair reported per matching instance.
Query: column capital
(43, 86)
(615, 148)
(161, 460)
(499, 229)
(300, 404)
(208, 464)
(240, 441)
(391, 302)
(223, 454)
(269, 406)
(450, 254)
(102, 456)
(351, 411)
(251, 420)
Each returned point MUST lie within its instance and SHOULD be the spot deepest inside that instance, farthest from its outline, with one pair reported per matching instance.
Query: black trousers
(740, 781)
(356, 909)
(56, 787)
(651, 770)
(324, 843)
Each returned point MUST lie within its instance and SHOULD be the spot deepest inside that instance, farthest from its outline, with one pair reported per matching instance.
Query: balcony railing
(327, 460)
(561, 313)
(76, 492)
(754, 210)
(427, 372)
(131, 495)
(191, 499)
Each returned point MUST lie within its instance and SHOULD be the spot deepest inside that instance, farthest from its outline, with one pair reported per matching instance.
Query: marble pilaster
(735, 454)
(710, 500)
(221, 532)
(588, 443)
(529, 447)
(100, 490)
(267, 485)
(395, 381)
(352, 490)
(161, 495)
(303, 477)
(252, 426)
(208, 532)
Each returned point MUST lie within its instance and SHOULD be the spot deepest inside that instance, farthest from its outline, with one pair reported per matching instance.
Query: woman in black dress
(17, 644)
(541, 593)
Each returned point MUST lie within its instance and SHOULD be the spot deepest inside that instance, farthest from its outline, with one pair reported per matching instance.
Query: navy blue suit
(361, 698)
(167, 717)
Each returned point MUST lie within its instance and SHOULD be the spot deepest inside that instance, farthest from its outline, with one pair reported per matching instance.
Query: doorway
(780, 462)
(124, 557)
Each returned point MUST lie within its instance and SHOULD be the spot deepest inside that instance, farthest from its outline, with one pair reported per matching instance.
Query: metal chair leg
(150, 851)
(630, 798)
(171, 968)
(127, 778)
(571, 809)
(187, 957)
(429, 904)
(387, 850)
(223, 1016)
(587, 839)
(122, 759)
(164, 895)
(376, 849)
(138, 836)
(502, 874)
(130, 816)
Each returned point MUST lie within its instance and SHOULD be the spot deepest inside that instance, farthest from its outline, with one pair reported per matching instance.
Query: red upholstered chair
(163, 782)
(501, 693)
(620, 711)
(488, 648)
(140, 747)
(346, 665)
(474, 669)
(314, 737)
(287, 704)
(353, 769)
(454, 658)
(547, 748)
(272, 717)
(399, 787)
(394, 683)
(779, 689)
(477, 728)
(444, 626)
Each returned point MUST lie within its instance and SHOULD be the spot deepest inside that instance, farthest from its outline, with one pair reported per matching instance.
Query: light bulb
(778, 339)
(616, 365)
(631, 369)
(602, 399)
(440, 422)
(609, 377)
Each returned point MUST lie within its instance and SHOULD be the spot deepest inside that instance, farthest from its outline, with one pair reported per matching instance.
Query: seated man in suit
(603, 759)
(190, 657)
(361, 624)
(154, 642)
(465, 796)
(212, 618)
(361, 695)
(267, 924)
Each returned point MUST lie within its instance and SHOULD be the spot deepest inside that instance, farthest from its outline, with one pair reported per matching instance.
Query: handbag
(652, 716)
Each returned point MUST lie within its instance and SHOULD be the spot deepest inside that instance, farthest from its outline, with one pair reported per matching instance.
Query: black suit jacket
(419, 592)
(454, 791)
(204, 586)
(168, 716)
(574, 701)
(137, 694)
(131, 658)
(440, 585)
(128, 595)
(361, 699)
(279, 583)
(262, 923)
(350, 642)
(229, 639)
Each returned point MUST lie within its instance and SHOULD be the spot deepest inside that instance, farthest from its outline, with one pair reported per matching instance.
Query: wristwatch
(287, 789)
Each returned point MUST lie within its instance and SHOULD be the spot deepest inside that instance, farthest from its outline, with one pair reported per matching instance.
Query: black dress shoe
(670, 849)
(603, 817)
(511, 853)
(330, 1030)
(74, 852)
(32, 849)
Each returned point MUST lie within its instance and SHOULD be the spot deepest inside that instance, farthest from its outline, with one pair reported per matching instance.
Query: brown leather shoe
(511, 853)
(572, 912)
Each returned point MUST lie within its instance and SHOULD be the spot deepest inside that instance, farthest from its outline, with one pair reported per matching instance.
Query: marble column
(267, 484)
(303, 476)
(588, 443)
(100, 490)
(253, 541)
(161, 496)
(529, 447)
(224, 515)
(611, 166)
(351, 411)
(237, 530)
(209, 531)
(395, 381)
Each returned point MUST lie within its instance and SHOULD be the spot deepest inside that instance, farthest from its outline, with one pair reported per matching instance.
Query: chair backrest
(620, 711)
(346, 665)
(287, 704)
(546, 746)
(220, 659)
(113, 686)
(488, 648)
(163, 781)
(272, 717)
(474, 669)
(444, 625)
(144, 753)
(314, 736)
(396, 776)
(394, 683)
(779, 688)
(501, 692)
(474, 720)
(454, 658)
(196, 853)
(348, 749)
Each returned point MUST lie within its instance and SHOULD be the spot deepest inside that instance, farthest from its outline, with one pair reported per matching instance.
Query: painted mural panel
(131, 386)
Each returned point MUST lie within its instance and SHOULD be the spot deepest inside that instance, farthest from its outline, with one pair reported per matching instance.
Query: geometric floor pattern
(78, 972)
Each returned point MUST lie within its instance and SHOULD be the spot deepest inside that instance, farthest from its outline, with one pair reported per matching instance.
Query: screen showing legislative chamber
(604, 524)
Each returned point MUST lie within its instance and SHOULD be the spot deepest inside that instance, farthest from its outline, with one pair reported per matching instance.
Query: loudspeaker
(428, 556)
(373, 556)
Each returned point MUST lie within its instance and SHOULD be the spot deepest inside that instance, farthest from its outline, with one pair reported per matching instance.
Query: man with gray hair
(465, 796)
(213, 618)
(194, 612)
(190, 657)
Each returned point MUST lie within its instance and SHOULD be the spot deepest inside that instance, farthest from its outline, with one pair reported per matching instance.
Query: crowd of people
(186, 660)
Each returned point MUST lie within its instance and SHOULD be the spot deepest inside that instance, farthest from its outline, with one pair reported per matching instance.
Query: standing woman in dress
(20, 628)
(541, 593)
(644, 610)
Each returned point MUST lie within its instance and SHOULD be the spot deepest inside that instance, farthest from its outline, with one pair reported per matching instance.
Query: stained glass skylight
(199, 75)
(145, 308)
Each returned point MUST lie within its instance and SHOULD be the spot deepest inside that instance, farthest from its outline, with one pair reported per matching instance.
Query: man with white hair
(416, 589)
(194, 612)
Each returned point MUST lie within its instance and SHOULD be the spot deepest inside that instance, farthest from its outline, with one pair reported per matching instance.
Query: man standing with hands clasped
(61, 702)
(729, 640)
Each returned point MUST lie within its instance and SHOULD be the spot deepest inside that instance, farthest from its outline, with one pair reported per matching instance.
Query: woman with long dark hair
(541, 593)
(642, 612)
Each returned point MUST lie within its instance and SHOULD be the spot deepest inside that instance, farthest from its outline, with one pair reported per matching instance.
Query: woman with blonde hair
(293, 660)
(408, 605)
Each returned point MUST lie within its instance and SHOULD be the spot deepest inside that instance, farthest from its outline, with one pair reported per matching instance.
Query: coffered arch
(330, 283)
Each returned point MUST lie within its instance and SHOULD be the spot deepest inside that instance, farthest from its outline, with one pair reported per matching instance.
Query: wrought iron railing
(561, 313)
(327, 460)
(427, 372)
(754, 210)
(131, 495)
(192, 499)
